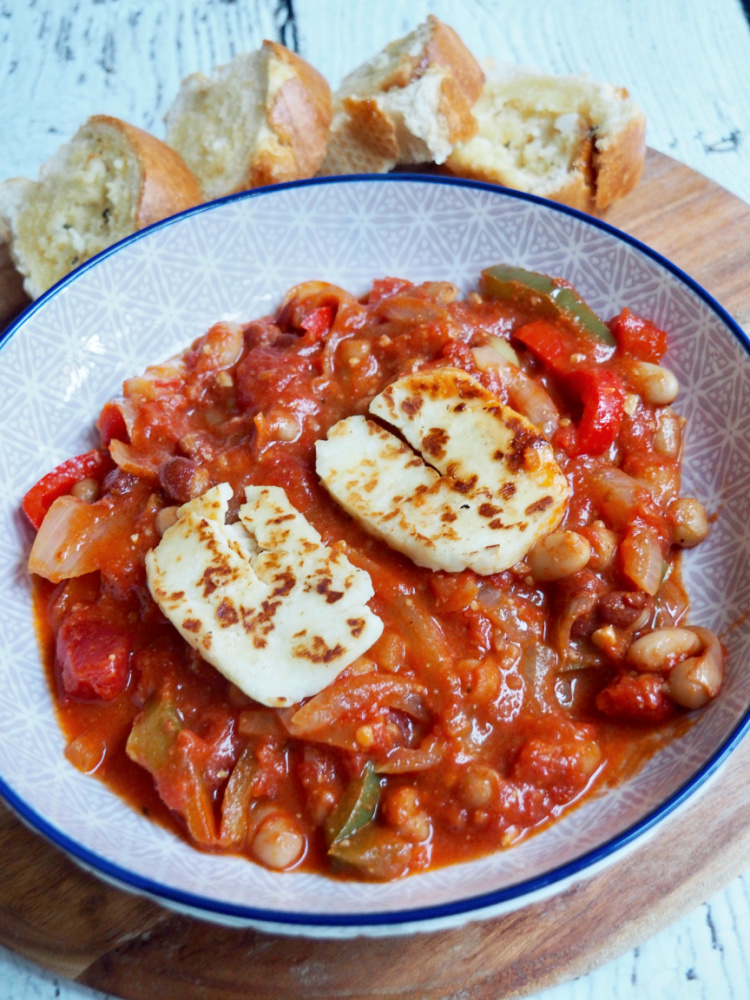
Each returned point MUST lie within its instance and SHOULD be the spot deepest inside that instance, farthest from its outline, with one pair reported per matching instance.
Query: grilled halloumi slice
(275, 610)
(476, 489)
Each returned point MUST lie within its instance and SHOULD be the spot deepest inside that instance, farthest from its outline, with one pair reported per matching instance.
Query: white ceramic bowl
(148, 298)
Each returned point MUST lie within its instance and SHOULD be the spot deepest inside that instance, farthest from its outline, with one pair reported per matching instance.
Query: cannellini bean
(559, 554)
(403, 812)
(695, 681)
(661, 649)
(603, 544)
(283, 424)
(479, 786)
(688, 521)
(654, 383)
(354, 351)
(86, 490)
(165, 518)
(278, 841)
(668, 434)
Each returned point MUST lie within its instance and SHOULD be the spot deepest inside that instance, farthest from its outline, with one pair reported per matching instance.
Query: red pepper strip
(638, 337)
(317, 323)
(61, 480)
(601, 393)
(552, 344)
(599, 389)
(111, 425)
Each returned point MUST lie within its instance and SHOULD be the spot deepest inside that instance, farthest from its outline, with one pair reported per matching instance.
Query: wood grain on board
(73, 924)
(12, 296)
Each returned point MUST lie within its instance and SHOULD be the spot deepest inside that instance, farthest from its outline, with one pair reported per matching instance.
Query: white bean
(403, 812)
(86, 490)
(661, 649)
(603, 545)
(480, 786)
(654, 383)
(695, 681)
(278, 841)
(688, 522)
(165, 518)
(559, 554)
(668, 434)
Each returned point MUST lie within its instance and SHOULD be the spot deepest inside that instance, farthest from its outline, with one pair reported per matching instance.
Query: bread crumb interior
(85, 201)
(217, 122)
(532, 127)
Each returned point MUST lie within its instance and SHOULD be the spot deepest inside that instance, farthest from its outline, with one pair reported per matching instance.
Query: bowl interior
(155, 293)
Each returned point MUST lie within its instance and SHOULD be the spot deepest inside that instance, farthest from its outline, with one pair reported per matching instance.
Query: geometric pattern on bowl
(147, 299)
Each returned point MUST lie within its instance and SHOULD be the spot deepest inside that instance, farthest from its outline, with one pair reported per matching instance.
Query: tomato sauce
(489, 705)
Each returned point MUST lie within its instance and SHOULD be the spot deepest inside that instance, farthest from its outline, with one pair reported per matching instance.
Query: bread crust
(167, 184)
(161, 185)
(280, 136)
(367, 136)
(464, 86)
(300, 116)
(367, 140)
(608, 160)
(618, 166)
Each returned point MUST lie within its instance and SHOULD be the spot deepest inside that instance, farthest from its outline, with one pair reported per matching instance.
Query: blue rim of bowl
(438, 913)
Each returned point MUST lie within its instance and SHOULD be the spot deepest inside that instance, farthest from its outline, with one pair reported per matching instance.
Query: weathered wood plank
(61, 62)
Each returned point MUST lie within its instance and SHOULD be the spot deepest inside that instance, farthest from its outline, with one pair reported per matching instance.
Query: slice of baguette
(109, 181)
(261, 119)
(409, 104)
(566, 138)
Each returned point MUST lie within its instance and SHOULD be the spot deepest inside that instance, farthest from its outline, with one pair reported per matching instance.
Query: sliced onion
(155, 380)
(672, 602)
(130, 460)
(524, 394)
(405, 760)
(260, 722)
(344, 697)
(63, 547)
(501, 346)
(642, 559)
(220, 348)
(616, 495)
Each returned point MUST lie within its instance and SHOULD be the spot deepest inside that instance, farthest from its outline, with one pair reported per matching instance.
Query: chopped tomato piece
(94, 464)
(93, 657)
(639, 337)
(317, 323)
(640, 699)
(454, 591)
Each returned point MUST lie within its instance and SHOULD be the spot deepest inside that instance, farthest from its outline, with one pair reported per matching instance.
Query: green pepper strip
(540, 293)
(356, 808)
(152, 743)
(375, 852)
(154, 734)
(238, 797)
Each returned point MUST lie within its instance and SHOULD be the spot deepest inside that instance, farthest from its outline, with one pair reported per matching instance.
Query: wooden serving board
(75, 925)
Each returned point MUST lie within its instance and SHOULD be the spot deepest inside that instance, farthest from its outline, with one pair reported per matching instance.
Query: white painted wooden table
(686, 62)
